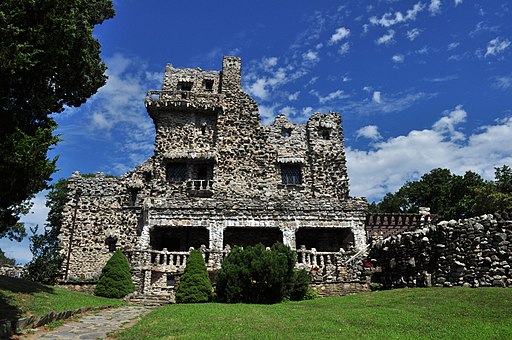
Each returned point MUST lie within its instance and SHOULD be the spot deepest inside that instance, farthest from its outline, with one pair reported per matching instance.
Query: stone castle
(218, 178)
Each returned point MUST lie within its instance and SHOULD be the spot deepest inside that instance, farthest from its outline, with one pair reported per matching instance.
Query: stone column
(289, 236)
(216, 244)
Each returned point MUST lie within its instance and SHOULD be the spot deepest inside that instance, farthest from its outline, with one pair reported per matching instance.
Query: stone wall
(474, 252)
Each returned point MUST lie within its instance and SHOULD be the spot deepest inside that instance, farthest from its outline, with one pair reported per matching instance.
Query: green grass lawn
(19, 298)
(454, 313)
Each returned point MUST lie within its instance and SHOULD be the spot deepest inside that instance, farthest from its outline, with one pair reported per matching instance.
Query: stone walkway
(95, 325)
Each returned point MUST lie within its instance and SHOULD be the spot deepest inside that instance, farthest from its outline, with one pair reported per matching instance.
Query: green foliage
(49, 59)
(6, 260)
(452, 196)
(300, 286)
(115, 280)
(258, 275)
(47, 259)
(195, 285)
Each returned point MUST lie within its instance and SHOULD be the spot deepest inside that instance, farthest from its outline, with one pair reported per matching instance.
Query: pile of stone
(474, 252)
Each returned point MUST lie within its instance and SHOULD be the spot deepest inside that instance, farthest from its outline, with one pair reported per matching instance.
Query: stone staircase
(150, 299)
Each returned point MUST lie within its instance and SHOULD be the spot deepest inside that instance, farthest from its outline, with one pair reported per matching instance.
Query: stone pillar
(216, 236)
(289, 236)
(215, 244)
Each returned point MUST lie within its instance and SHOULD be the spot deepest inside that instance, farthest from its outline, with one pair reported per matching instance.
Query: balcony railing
(200, 184)
(322, 266)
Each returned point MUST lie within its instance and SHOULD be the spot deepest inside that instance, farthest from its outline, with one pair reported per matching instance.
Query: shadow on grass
(9, 287)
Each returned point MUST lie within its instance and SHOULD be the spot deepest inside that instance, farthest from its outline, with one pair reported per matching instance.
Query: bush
(300, 285)
(195, 285)
(258, 275)
(115, 280)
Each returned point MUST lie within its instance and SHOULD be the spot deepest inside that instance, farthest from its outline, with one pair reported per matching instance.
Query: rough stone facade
(218, 178)
(474, 252)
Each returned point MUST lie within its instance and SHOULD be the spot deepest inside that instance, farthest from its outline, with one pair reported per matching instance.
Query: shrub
(115, 280)
(258, 275)
(300, 285)
(195, 285)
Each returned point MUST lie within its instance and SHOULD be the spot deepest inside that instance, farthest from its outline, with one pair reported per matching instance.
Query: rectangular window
(176, 172)
(185, 86)
(291, 174)
(208, 84)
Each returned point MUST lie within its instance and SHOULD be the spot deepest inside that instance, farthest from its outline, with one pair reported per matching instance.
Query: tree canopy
(450, 195)
(49, 59)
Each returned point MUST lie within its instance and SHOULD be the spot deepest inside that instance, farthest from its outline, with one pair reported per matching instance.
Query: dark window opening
(185, 86)
(325, 239)
(324, 133)
(291, 174)
(171, 280)
(133, 196)
(147, 176)
(203, 128)
(286, 132)
(178, 239)
(176, 172)
(111, 242)
(243, 237)
(208, 84)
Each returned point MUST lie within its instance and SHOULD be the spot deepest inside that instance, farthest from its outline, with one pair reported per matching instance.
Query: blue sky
(420, 84)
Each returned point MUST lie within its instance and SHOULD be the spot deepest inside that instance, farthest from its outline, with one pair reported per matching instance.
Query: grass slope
(19, 298)
(483, 313)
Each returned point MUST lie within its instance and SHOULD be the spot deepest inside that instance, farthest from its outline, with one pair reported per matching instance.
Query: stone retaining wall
(473, 252)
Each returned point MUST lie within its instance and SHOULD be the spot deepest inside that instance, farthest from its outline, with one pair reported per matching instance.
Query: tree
(195, 285)
(6, 260)
(47, 260)
(448, 195)
(49, 59)
(115, 280)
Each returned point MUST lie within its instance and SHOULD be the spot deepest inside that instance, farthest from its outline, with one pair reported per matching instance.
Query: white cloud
(311, 56)
(341, 33)
(269, 62)
(434, 7)
(293, 96)
(442, 79)
(267, 113)
(503, 82)
(413, 34)
(116, 114)
(496, 46)
(374, 173)
(388, 19)
(339, 94)
(344, 48)
(453, 45)
(370, 132)
(376, 97)
(398, 58)
(446, 125)
(457, 2)
(396, 102)
(423, 50)
(259, 88)
(386, 38)
(307, 111)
